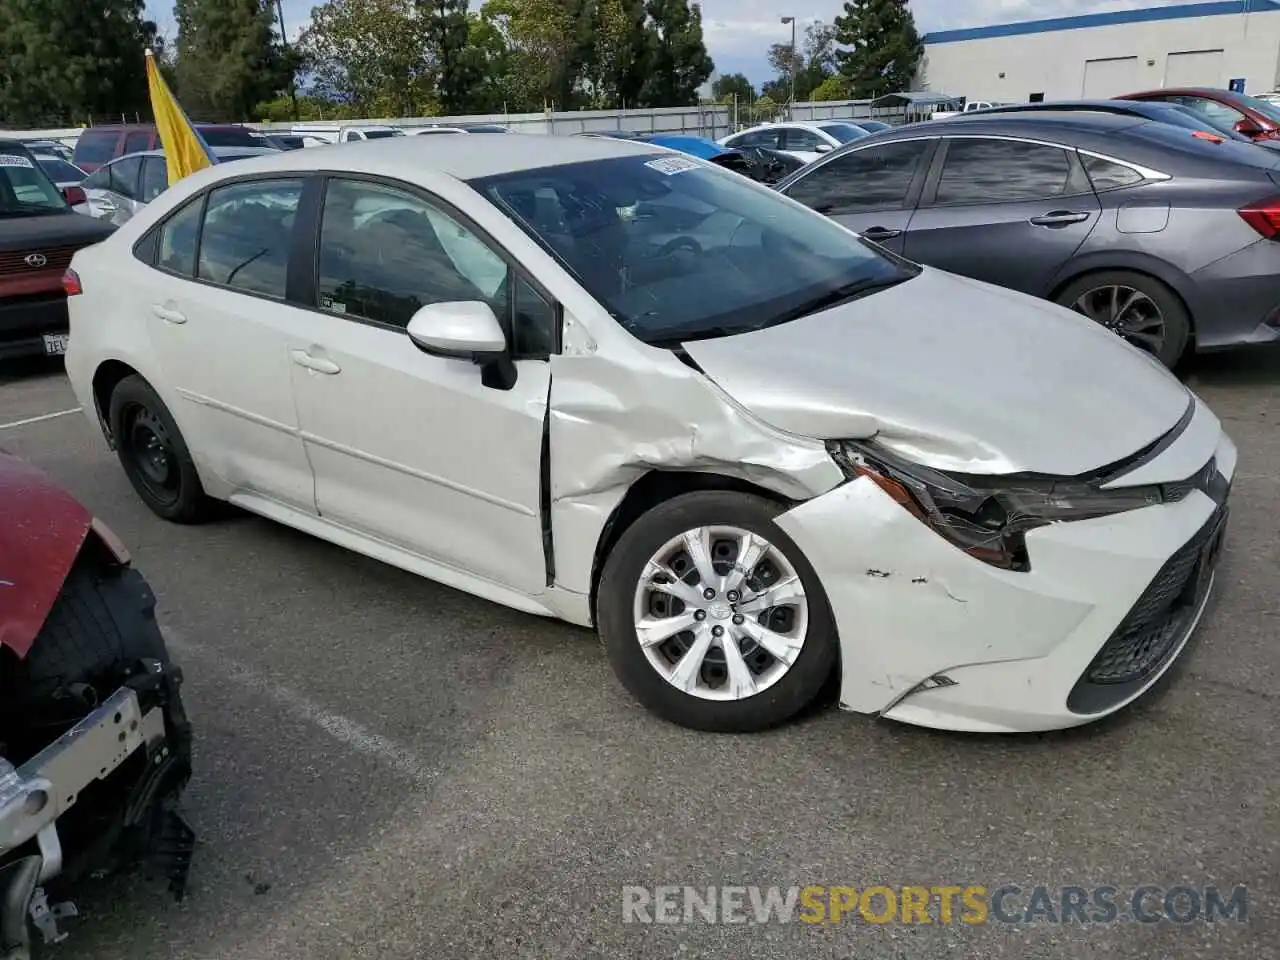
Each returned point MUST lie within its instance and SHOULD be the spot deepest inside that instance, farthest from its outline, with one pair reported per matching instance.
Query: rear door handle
(876, 234)
(318, 364)
(1059, 218)
(167, 315)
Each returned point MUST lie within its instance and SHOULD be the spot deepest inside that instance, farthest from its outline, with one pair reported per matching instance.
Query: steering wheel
(676, 244)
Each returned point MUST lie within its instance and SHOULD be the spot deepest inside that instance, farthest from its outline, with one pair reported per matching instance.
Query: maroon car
(95, 749)
(1254, 118)
(100, 145)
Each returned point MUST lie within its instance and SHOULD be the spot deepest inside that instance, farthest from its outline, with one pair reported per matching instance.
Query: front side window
(1212, 110)
(876, 178)
(124, 176)
(385, 253)
(25, 189)
(1000, 171)
(676, 248)
(244, 243)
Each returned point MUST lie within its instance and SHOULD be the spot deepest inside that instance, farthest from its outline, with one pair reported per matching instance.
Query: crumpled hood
(955, 374)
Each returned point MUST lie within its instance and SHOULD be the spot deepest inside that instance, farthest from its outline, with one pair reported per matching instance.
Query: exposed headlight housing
(987, 517)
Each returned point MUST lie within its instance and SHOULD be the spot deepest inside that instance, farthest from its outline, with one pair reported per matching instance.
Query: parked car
(100, 145)
(1253, 117)
(39, 232)
(1160, 111)
(325, 133)
(67, 177)
(802, 140)
(49, 148)
(280, 141)
(758, 163)
(873, 126)
(124, 186)
(95, 748)
(747, 446)
(1157, 232)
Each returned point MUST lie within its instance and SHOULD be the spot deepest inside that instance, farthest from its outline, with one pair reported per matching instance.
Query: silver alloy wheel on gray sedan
(712, 616)
(720, 613)
(1125, 311)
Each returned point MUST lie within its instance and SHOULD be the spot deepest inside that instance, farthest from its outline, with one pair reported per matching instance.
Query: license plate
(55, 343)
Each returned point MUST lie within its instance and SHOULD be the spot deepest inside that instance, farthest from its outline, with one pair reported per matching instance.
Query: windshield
(380, 134)
(679, 249)
(25, 190)
(844, 132)
(60, 171)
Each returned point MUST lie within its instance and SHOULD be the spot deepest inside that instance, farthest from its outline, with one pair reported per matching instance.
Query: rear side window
(155, 178)
(244, 243)
(875, 178)
(136, 142)
(756, 138)
(1105, 175)
(124, 177)
(1000, 171)
(96, 147)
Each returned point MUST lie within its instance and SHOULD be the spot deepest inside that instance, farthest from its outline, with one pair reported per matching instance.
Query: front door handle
(1059, 218)
(876, 234)
(318, 364)
(168, 315)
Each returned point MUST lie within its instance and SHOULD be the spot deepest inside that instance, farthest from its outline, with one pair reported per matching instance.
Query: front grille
(1157, 623)
(14, 262)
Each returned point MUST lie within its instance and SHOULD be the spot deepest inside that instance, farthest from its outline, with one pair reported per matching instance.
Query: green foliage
(835, 87)
(815, 60)
(731, 85)
(885, 48)
(68, 61)
(230, 57)
(458, 67)
(679, 63)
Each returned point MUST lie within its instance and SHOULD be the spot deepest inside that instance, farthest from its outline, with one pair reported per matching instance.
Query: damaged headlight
(986, 517)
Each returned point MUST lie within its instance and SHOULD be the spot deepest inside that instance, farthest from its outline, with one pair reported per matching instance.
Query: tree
(230, 57)
(815, 60)
(371, 55)
(680, 63)
(731, 85)
(458, 65)
(541, 42)
(884, 47)
(67, 61)
(835, 87)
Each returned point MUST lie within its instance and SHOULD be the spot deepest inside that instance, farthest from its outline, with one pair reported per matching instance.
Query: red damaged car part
(42, 530)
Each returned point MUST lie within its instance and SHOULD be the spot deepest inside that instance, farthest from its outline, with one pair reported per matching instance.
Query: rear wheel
(713, 618)
(154, 454)
(1136, 307)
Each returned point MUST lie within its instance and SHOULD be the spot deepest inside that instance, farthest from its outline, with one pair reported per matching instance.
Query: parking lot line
(39, 419)
(343, 729)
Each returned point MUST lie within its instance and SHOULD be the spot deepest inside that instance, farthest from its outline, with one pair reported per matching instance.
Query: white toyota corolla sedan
(595, 380)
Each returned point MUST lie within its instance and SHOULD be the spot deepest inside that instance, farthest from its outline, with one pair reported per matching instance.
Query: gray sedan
(1166, 235)
(121, 188)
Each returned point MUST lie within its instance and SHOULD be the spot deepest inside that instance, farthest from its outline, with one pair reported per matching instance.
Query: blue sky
(739, 32)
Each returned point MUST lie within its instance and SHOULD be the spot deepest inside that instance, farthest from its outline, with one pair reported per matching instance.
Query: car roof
(9, 144)
(463, 158)
(1179, 91)
(217, 152)
(1031, 119)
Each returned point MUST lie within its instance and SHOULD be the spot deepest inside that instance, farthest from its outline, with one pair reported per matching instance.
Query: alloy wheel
(721, 613)
(1125, 311)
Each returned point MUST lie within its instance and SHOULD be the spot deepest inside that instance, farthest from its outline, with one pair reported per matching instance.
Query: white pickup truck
(969, 107)
(314, 134)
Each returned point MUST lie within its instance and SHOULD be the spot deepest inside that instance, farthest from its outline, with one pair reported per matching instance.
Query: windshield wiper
(840, 295)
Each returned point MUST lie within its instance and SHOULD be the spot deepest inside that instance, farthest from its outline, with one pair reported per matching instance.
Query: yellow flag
(185, 151)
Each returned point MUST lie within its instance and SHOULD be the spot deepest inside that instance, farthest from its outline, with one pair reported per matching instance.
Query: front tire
(154, 454)
(712, 617)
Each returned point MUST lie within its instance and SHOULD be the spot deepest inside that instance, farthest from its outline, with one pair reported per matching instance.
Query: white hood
(955, 374)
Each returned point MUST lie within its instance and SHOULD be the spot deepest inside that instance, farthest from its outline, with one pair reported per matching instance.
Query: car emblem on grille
(36, 260)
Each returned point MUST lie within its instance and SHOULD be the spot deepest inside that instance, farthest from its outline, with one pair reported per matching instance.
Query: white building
(1107, 54)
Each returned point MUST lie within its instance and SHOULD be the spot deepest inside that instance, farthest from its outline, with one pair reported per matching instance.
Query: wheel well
(105, 380)
(650, 490)
(1191, 319)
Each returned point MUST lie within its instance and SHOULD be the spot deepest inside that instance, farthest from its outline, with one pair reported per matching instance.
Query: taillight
(1263, 217)
(74, 196)
(71, 283)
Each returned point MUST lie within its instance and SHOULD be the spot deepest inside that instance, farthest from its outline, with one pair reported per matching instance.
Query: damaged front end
(101, 796)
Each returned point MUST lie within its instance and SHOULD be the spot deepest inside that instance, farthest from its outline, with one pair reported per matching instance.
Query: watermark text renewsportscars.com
(971, 904)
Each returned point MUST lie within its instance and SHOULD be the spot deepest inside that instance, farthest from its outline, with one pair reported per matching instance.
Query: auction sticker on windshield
(672, 164)
(13, 160)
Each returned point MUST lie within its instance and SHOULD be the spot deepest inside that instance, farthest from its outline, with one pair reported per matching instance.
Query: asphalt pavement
(389, 768)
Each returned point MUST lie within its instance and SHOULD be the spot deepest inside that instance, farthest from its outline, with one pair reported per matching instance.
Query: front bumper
(934, 637)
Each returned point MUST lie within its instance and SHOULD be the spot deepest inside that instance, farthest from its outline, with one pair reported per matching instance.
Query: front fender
(42, 530)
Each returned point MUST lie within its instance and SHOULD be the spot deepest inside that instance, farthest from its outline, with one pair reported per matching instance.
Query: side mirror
(823, 148)
(74, 196)
(1247, 128)
(463, 330)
